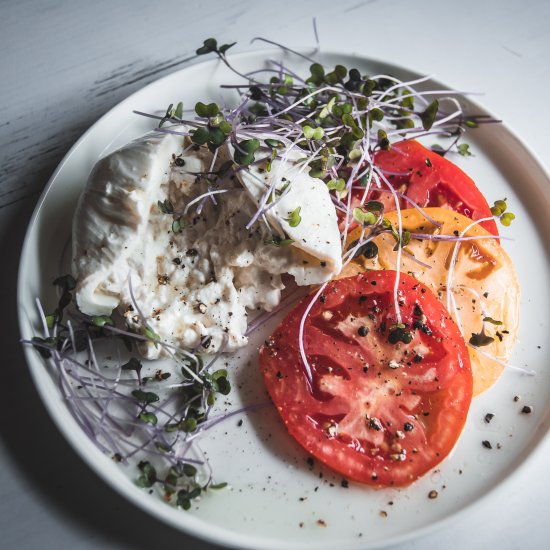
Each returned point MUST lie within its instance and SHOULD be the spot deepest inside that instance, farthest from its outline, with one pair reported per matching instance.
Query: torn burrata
(179, 263)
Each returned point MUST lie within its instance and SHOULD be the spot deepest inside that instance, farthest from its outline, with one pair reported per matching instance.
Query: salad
(325, 196)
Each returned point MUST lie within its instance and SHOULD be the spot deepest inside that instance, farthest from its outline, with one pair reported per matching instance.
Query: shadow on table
(37, 449)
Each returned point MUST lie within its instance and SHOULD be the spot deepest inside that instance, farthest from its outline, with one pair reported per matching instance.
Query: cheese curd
(192, 287)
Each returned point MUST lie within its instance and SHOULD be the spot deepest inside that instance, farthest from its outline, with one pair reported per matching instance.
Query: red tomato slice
(377, 412)
(429, 180)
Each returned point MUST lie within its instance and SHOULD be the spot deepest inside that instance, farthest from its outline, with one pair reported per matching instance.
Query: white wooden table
(64, 63)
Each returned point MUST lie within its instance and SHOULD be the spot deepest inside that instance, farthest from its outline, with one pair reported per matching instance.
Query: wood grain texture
(64, 63)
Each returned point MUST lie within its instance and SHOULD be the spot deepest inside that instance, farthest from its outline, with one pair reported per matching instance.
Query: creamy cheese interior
(196, 286)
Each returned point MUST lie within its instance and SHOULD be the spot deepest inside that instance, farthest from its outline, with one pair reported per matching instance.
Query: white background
(63, 64)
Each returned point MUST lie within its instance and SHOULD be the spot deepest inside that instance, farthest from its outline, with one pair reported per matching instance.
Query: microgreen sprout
(480, 339)
(172, 114)
(210, 45)
(499, 211)
(165, 206)
(369, 250)
(294, 217)
(464, 149)
(364, 218)
(428, 117)
(122, 416)
(338, 184)
(245, 150)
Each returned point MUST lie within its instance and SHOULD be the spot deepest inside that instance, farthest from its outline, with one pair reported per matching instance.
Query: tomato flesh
(429, 180)
(377, 412)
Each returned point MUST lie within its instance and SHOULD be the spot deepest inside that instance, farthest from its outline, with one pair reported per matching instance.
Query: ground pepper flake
(527, 409)
(433, 494)
(321, 523)
(487, 444)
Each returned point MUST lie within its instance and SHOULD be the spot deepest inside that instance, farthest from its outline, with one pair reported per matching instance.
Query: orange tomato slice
(484, 282)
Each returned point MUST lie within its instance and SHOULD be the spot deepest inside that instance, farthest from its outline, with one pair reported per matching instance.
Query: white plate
(267, 471)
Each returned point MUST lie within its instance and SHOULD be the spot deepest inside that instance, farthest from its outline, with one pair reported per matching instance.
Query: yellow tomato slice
(484, 282)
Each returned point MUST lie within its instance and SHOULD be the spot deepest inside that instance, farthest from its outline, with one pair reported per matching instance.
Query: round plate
(275, 498)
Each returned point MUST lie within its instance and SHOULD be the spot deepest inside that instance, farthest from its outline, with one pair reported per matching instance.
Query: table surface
(65, 63)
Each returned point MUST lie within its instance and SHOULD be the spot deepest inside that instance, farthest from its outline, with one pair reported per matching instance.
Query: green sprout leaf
(189, 470)
(369, 250)
(499, 211)
(480, 340)
(349, 121)
(273, 143)
(217, 486)
(148, 418)
(102, 320)
(185, 497)
(336, 76)
(428, 116)
(178, 224)
(172, 112)
(464, 150)
(294, 217)
(364, 218)
(146, 397)
(65, 282)
(492, 321)
(308, 132)
(374, 206)
(224, 47)
(148, 477)
(313, 133)
(499, 207)
(317, 74)
(188, 425)
(152, 335)
(376, 114)
(207, 111)
(403, 241)
(383, 140)
(244, 153)
(200, 136)
(336, 185)
(165, 206)
(436, 148)
(225, 127)
(208, 46)
(326, 110)
(506, 219)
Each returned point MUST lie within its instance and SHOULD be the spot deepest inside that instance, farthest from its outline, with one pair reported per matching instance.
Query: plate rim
(191, 524)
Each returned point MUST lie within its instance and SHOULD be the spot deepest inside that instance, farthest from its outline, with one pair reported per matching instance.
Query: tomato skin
(429, 180)
(442, 183)
(353, 418)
